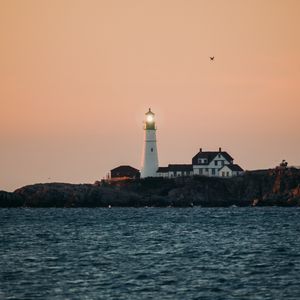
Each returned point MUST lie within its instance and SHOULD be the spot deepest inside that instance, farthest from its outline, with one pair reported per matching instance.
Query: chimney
(220, 149)
(200, 149)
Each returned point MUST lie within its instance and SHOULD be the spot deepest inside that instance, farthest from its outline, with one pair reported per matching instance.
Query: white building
(210, 162)
(230, 170)
(206, 163)
(177, 170)
(150, 156)
(162, 172)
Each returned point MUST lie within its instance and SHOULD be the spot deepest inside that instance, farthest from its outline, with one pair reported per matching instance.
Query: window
(213, 171)
(223, 174)
(216, 162)
(200, 171)
(227, 174)
(151, 149)
(206, 169)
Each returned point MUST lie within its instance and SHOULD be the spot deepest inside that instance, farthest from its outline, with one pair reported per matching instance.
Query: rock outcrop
(10, 199)
(279, 186)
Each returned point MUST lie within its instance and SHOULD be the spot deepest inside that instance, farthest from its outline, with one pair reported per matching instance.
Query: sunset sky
(76, 78)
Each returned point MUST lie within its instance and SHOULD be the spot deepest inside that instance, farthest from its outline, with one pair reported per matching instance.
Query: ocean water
(150, 253)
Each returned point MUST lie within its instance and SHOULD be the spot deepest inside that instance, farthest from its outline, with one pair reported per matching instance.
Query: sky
(77, 77)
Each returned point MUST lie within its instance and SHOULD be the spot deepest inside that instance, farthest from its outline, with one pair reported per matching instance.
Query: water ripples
(150, 253)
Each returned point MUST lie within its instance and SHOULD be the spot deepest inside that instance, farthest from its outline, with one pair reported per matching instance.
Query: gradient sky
(76, 78)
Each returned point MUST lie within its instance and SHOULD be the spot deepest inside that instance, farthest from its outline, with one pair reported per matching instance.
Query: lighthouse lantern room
(150, 156)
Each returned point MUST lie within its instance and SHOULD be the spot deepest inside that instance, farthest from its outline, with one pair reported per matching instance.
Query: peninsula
(279, 187)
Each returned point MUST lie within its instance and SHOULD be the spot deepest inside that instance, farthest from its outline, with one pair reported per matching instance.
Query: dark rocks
(257, 188)
(10, 199)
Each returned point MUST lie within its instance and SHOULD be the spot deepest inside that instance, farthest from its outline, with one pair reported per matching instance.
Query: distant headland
(273, 187)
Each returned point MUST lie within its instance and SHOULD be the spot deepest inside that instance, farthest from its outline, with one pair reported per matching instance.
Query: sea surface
(150, 253)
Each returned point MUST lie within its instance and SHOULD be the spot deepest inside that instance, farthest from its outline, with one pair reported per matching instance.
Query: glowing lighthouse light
(150, 118)
(150, 157)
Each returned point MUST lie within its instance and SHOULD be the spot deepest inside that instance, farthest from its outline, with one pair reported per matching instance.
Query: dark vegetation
(280, 186)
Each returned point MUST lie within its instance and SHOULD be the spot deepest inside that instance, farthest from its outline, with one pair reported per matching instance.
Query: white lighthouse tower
(150, 157)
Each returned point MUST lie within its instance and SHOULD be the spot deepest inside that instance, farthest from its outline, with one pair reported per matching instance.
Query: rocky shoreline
(279, 187)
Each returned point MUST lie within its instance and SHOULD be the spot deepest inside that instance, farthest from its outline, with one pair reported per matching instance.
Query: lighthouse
(150, 157)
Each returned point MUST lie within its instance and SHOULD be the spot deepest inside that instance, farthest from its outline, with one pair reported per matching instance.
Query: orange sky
(76, 78)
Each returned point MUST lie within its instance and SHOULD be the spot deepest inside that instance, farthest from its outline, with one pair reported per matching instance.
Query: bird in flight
(212, 57)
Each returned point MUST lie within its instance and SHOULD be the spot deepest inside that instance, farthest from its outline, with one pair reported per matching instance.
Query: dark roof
(175, 168)
(162, 170)
(180, 167)
(210, 155)
(233, 167)
(124, 169)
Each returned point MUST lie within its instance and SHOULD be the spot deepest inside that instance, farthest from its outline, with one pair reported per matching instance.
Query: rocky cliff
(280, 186)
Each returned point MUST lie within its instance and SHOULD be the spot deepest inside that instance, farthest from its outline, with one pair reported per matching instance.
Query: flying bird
(212, 57)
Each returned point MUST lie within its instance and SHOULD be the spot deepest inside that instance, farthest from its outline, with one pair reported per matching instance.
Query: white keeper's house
(207, 163)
